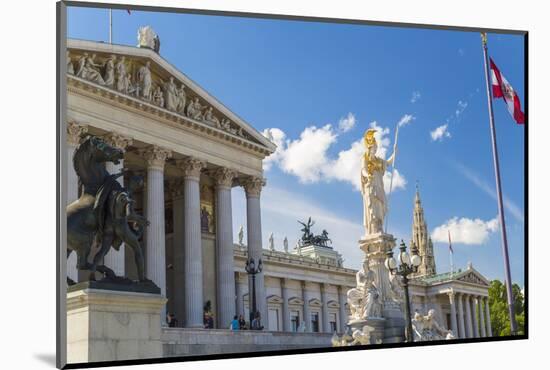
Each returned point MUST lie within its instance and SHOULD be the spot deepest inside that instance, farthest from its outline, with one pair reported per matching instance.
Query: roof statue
(147, 38)
(309, 239)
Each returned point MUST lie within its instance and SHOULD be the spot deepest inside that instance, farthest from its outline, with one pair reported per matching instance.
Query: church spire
(421, 238)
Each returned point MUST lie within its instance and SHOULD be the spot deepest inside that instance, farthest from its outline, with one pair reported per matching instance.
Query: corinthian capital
(191, 167)
(253, 186)
(223, 176)
(118, 140)
(74, 131)
(156, 156)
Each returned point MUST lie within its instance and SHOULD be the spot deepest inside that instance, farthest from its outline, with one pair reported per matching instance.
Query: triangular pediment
(315, 302)
(164, 94)
(296, 301)
(473, 276)
(274, 299)
(333, 304)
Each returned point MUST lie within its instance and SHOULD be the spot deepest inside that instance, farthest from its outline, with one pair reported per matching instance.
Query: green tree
(498, 307)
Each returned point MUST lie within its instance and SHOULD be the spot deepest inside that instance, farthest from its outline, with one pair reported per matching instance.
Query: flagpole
(451, 252)
(508, 278)
(110, 26)
(392, 171)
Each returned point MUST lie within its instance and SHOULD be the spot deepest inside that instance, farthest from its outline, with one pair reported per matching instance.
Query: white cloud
(440, 133)
(465, 231)
(347, 123)
(461, 52)
(510, 206)
(405, 120)
(307, 157)
(397, 183)
(278, 137)
(347, 167)
(460, 107)
(415, 96)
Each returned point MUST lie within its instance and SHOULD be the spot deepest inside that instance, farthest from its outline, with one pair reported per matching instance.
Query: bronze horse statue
(101, 215)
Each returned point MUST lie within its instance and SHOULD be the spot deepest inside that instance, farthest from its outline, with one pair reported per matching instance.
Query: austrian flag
(503, 89)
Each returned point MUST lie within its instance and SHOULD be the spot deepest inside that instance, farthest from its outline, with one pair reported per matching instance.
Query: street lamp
(251, 269)
(408, 264)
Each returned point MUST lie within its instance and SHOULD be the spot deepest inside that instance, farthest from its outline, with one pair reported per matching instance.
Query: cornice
(106, 95)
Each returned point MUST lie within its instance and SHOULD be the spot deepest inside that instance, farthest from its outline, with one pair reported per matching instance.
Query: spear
(392, 172)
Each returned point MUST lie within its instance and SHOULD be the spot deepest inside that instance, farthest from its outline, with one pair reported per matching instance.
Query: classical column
(474, 314)
(74, 131)
(342, 300)
(155, 239)
(286, 311)
(176, 189)
(462, 332)
(488, 318)
(307, 312)
(469, 325)
(115, 259)
(191, 168)
(481, 317)
(225, 274)
(239, 297)
(253, 188)
(324, 308)
(454, 327)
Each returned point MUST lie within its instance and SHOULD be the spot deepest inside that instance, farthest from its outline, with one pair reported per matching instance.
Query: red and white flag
(503, 89)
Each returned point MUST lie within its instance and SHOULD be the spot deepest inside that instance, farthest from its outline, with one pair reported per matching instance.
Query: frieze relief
(142, 80)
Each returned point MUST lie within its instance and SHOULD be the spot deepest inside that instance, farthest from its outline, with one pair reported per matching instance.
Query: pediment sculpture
(135, 77)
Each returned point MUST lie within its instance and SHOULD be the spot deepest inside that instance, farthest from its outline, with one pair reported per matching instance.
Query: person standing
(234, 324)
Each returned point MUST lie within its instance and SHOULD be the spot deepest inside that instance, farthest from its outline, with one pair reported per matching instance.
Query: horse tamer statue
(104, 211)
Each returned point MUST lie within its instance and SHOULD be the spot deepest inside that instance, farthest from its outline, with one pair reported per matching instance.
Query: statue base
(119, 284)
(375, 247)
(109, 325)
(374, 325)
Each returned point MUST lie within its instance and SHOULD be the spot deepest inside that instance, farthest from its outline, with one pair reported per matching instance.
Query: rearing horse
(83, 222)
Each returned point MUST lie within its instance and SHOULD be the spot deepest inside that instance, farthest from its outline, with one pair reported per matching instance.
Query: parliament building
(191, 151)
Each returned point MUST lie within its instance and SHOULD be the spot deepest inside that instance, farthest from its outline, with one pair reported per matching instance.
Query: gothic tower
(421, 239)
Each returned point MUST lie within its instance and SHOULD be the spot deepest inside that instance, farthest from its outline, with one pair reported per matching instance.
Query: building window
(295, 320)
(315, 322)
(333, 323)
(273, 319)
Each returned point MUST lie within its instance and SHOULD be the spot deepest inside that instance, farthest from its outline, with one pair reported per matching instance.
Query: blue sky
(295, 78)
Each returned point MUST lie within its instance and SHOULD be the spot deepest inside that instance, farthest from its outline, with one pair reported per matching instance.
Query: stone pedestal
(375, 247)
(108, 325)
(377, 328)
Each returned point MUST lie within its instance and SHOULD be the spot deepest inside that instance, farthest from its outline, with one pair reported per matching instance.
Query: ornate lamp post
(251, 269)
(407, 265)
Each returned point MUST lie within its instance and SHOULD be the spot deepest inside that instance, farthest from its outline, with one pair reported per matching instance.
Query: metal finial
(484, 38)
